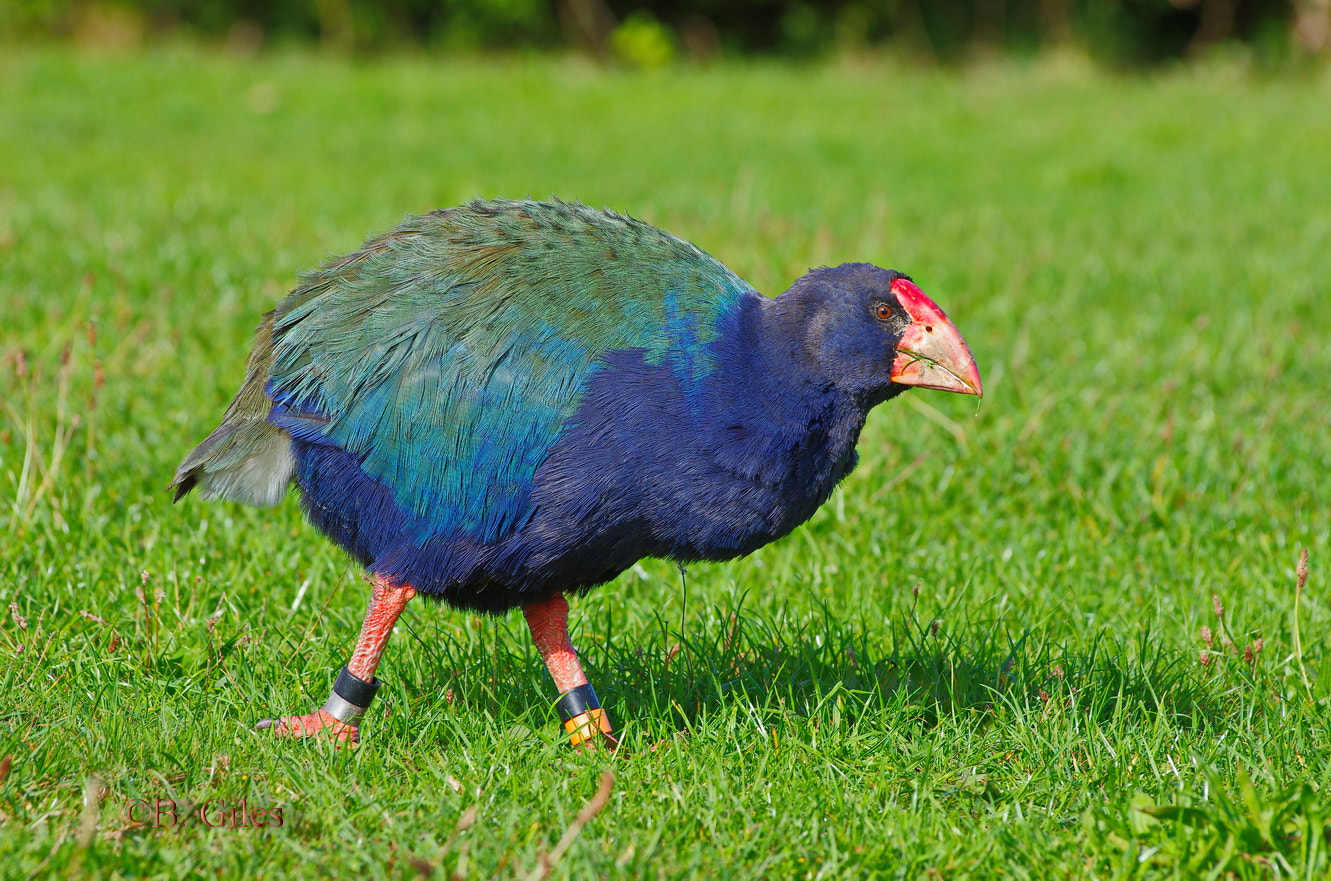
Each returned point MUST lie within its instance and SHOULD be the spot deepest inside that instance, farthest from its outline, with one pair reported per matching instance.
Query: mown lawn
(984, 658)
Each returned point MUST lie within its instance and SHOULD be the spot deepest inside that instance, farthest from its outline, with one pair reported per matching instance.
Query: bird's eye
(882, 311)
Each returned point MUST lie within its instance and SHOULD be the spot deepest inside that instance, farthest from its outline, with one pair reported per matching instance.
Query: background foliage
(1120, 32)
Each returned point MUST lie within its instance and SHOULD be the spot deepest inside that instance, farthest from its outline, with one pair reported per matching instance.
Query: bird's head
(873, 332)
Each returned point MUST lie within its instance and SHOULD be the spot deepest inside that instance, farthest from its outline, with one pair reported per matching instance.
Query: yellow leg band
(584, 727)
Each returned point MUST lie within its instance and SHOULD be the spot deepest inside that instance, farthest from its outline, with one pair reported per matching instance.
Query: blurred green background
(1119, 32)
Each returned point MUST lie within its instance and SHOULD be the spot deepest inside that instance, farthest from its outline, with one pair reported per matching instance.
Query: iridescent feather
(449, 354)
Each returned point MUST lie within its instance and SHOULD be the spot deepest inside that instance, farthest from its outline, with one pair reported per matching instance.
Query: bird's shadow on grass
(817, 666)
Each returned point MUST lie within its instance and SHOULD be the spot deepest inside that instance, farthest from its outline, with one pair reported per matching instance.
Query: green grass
(982, 658)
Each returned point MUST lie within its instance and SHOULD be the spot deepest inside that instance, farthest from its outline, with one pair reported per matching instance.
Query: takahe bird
(502, 403)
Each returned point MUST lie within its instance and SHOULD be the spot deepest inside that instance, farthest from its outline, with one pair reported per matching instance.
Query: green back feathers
(449, 353)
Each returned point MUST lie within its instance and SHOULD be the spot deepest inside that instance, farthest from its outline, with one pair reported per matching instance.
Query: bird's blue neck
(770, 410)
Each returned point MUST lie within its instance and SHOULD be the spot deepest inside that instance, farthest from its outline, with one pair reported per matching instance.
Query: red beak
(932, 353)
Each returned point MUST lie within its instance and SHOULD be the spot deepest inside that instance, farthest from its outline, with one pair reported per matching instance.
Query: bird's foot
(317, 724)
(603, 740)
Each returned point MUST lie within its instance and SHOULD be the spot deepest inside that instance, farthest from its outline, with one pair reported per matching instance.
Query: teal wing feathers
(449, 354)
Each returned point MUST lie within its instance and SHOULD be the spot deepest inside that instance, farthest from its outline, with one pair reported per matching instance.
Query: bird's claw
(591, 731)
(317, 724)
(606, 741)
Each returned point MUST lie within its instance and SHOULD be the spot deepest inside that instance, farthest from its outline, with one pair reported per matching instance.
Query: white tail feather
(260, 478)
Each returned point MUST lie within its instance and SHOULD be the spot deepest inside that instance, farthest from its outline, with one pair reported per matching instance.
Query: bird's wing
(449, 354)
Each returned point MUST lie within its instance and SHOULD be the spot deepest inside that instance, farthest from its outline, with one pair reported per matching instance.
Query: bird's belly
(731, 515)
(556, 549)
(694, 503)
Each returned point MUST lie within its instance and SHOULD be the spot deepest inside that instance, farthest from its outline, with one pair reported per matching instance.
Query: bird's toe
(607, 742)
(317, 724)
(600, 741)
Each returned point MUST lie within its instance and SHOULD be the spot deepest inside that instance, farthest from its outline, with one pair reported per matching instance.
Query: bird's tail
(246, 458)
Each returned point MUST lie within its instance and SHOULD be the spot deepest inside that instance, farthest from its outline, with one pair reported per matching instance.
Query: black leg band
(580, 700)
(354, 690)
(351, 697)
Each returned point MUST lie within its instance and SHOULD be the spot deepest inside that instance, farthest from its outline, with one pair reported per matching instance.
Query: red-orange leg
(578, 706)
(356, 684)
